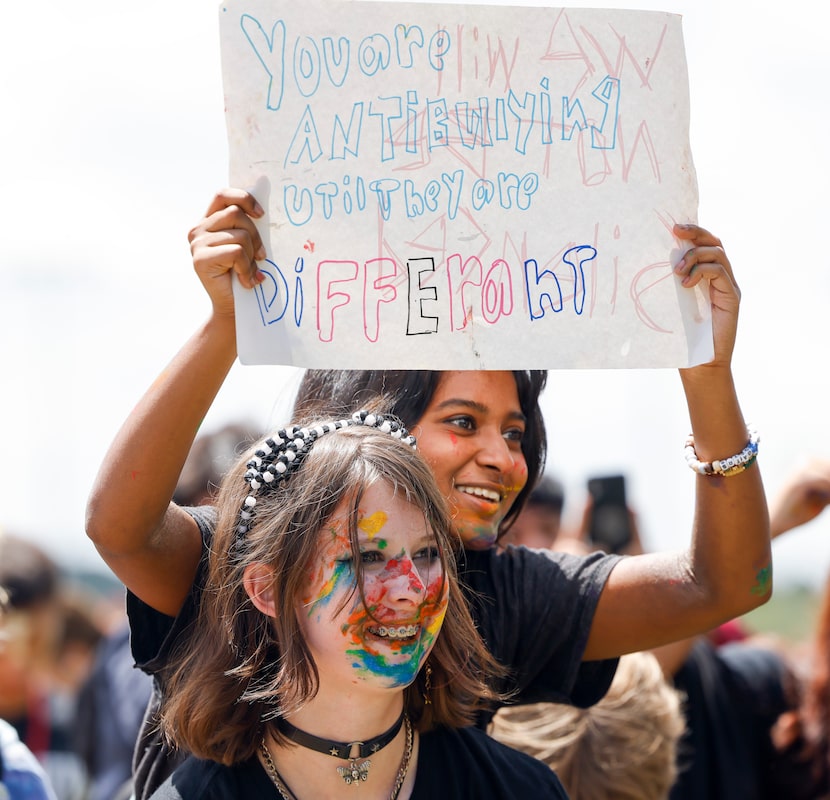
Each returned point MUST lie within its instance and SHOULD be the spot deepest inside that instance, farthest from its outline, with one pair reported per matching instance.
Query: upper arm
(161, 571)
(648, 601)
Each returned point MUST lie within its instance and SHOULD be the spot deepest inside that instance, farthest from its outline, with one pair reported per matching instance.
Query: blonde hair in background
(622, 748)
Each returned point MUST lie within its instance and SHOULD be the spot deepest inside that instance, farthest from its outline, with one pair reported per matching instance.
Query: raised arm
(802, 498)
(149, 543)
(653, 599)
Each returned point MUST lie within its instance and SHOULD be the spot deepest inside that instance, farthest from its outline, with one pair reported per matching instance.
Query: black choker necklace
(350, 751)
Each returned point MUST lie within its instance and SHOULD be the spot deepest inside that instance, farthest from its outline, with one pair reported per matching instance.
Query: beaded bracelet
(727, 467)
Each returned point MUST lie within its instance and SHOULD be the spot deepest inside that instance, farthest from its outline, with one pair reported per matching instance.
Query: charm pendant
(355, 772)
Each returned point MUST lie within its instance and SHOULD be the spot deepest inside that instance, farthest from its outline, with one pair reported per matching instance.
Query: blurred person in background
(540, 523)
(115, 698)
(802, 736)
(21, 775)
(111, 707)
(622, 748)
(748, 732)
(34, 631)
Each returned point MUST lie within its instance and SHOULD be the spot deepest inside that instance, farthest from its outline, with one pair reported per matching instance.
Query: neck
(348, 716)
(309, 773)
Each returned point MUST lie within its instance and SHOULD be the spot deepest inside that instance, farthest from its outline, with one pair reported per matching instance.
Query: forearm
(672, 656)
(730, 552)
(654, 599)
(136, 481)
(659, 598)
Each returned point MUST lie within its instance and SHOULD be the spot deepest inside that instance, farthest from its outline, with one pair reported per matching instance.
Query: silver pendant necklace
(286, 794)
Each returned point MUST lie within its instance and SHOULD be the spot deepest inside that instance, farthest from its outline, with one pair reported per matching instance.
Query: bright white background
(112, 142)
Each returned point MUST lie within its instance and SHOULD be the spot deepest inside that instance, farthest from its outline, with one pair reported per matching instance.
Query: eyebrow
(475, 406)
(424, 541)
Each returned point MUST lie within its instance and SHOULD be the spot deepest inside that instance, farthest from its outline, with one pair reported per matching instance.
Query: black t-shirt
(734, 694)
(461, 764)
(533, 609)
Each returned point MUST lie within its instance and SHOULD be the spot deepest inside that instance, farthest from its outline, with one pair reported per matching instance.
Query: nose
(494, 452)
(403, 583)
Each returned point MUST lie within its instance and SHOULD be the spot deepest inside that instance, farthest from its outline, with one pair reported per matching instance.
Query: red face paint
(387, 639)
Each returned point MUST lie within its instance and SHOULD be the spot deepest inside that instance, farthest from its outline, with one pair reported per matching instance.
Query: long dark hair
(406, 395)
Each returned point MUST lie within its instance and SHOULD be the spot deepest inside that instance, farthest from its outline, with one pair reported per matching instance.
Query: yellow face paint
(373, 524)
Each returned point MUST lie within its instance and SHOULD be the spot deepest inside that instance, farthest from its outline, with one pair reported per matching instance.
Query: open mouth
(490, 495)
(395, 632)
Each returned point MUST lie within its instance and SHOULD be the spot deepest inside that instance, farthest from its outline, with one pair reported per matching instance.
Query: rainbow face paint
(395, 643)
(386, 641)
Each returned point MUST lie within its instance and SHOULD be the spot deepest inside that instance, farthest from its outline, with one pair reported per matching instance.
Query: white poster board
(461, 186)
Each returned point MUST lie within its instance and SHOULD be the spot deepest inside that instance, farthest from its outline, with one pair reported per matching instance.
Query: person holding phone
(540, 523)
(608, 524)
(611, 526)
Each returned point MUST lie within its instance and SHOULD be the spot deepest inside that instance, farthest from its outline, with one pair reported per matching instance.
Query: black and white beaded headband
(281, 454)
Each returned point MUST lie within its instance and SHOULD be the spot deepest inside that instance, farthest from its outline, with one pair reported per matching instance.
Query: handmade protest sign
(461, 186)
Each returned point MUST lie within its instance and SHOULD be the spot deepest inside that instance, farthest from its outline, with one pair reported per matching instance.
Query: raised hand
(802, 498)
(707, 260)
(226, 241)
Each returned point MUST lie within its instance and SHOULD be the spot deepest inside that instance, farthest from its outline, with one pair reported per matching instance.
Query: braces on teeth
(403, 632)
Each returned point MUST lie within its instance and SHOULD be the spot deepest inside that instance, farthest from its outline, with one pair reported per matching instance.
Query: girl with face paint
(557, 622)
(333, 649)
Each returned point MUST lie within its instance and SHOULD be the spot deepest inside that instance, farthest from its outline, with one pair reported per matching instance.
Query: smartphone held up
(609, 521)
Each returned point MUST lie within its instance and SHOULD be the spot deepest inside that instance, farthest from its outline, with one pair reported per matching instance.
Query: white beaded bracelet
(727, 467)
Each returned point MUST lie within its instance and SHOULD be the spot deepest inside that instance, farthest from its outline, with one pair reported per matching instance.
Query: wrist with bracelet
(725, 467)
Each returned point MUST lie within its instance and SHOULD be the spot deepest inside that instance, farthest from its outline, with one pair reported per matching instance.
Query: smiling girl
(556, 622)
(333, 645)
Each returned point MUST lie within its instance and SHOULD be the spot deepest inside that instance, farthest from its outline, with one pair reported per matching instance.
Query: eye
(371, 557)
(428, 554)
(514, 434)
(347, 561)
(463, 421)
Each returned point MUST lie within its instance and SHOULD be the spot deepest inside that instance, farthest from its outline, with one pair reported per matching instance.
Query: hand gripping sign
(461, 186)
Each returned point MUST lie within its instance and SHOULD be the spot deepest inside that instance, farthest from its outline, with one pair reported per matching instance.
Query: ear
(258, 580)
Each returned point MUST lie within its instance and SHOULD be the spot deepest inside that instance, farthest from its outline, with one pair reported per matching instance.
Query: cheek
(445, 456)
(518, 475)
(373, 590)
(444, 471)
(437, 593)
(327, 582)
(435, 606)
(355, 623)
(327, 576)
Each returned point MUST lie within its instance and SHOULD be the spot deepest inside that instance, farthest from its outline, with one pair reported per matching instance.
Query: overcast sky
(113, 141)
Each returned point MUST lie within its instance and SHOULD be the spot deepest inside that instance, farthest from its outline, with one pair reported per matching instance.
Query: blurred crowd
(732, 714)
(71, 698)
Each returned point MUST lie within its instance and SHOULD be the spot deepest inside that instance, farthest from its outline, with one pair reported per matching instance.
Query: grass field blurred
(790, 614)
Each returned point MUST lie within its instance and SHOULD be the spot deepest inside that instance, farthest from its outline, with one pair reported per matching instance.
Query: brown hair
(242, 667)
